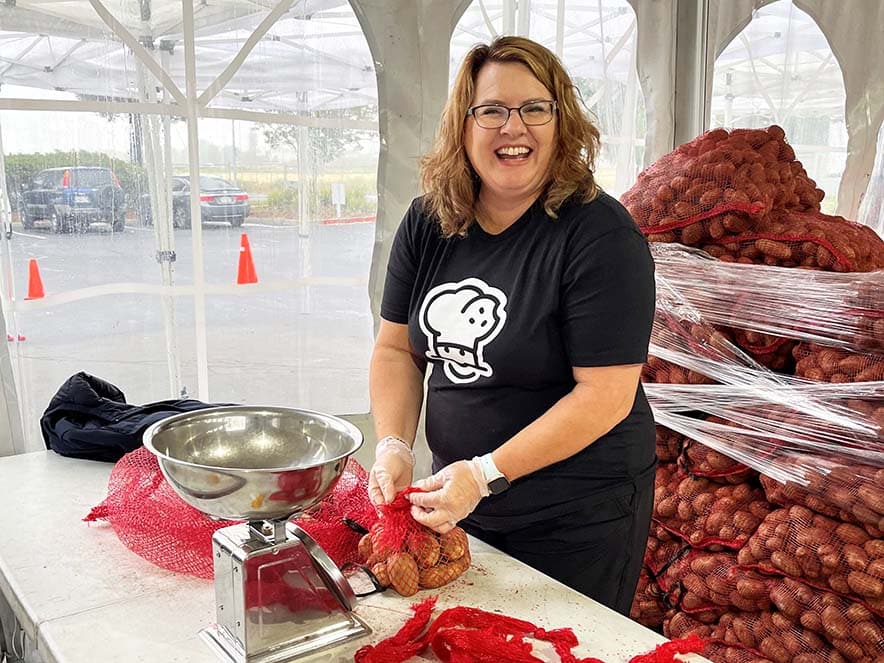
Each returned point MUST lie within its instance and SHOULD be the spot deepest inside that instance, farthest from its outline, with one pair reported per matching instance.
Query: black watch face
(498, 485)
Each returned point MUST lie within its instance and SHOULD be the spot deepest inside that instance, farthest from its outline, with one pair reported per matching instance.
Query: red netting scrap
(153, 522)
(471, 635)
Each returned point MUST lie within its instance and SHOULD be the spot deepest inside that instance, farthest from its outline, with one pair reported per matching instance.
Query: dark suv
(73, 199)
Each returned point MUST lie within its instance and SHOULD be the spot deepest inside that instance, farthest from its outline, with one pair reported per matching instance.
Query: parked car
(220, 201)
(74, 198)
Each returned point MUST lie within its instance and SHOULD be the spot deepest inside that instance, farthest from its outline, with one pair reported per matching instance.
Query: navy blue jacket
(90, 418)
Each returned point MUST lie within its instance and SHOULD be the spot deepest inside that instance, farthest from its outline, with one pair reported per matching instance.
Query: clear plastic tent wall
(251, 286)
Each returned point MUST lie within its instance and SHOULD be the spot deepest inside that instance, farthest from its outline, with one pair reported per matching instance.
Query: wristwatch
(497, 482)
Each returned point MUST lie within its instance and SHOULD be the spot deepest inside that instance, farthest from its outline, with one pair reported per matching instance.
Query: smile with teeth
(513, 152)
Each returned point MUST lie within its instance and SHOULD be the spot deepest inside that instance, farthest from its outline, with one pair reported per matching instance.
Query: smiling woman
(530, 295)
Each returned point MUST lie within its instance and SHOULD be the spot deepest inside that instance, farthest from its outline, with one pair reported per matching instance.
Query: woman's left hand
(452, 494)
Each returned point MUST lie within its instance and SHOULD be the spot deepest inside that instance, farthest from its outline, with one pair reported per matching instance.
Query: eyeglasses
(494, 116)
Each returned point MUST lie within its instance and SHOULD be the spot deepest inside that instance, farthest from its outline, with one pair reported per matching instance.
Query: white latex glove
(453, 493)
(392, 470)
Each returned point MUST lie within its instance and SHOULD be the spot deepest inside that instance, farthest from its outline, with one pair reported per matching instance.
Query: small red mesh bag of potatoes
(825, 553)
(405, 555)
(707, 514)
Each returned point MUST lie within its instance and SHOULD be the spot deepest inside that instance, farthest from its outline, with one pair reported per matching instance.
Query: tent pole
(193, 151)
(12, 387)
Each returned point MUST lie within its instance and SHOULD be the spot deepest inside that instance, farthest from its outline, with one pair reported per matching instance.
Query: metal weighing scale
(278, 595)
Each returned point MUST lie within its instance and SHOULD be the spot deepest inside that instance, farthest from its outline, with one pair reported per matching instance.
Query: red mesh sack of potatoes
(706, 582)
(707, 514)
(660, 371)
(848, 626)
(669, 443)
(786, 238)
(774, 352)
(849, 493)
(405, 555)
(822, 364)
(823, 552)
(662, 549)
(649, 604)
(746, 171)
(765, 635)
(698, 460)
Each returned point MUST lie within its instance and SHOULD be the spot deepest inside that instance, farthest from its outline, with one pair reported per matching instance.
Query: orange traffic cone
(35, 283)
(246, 273)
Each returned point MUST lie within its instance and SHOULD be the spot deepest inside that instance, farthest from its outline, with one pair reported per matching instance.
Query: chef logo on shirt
(460, 320)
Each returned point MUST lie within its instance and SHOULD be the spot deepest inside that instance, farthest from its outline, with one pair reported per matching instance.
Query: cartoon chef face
(460, 319)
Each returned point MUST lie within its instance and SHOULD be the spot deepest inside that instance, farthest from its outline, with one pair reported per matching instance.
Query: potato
(442, 574)
(454, 544)
(403, 573)
(424, 547)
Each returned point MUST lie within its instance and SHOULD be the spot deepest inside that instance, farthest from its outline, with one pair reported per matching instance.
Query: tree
(324, 143)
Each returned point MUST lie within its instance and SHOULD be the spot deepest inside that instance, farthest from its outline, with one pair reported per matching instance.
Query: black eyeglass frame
(509, 111)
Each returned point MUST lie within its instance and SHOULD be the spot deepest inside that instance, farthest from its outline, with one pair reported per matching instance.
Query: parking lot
(300, 336)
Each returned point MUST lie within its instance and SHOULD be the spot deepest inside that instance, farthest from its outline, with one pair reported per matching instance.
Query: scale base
(290, 651)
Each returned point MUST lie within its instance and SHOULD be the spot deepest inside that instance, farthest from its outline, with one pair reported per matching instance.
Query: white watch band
(489, 469)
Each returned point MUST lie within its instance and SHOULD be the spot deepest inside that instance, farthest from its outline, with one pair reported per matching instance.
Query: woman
(530, 293)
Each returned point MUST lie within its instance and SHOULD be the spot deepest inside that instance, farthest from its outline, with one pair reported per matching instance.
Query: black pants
(596, 550)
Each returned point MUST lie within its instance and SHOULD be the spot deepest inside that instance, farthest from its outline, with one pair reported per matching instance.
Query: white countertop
(83, 597)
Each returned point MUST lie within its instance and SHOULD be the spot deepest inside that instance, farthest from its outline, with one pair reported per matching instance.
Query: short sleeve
(401, 271)
(608, 300)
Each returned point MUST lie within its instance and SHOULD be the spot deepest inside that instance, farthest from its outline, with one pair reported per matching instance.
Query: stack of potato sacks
(770, 571)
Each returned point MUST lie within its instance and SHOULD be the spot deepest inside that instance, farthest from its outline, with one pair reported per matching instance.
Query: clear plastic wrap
(833, 309)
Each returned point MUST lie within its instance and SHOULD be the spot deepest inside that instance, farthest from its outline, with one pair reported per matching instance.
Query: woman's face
(513, 160)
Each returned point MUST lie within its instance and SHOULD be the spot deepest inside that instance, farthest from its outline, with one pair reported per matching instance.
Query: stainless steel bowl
(252, 463)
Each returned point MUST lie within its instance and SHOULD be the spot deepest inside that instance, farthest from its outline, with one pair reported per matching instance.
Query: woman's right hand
(392, 470)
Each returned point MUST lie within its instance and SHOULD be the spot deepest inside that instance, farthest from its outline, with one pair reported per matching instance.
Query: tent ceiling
(315, 57)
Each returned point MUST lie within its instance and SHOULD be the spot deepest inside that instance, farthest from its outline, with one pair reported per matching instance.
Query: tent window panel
(597, 44)
(781, 70)
(871, 211)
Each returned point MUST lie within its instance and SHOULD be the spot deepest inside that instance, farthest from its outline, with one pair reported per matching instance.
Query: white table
(83, 597)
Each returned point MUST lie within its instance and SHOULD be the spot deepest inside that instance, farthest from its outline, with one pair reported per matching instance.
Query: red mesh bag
(825, 553)
(767, 635)
(405, 555)
(786, 238)
(704, 582)
(850, 627)
(706, 514)
(649, 604)
(657, 371)
(153, 522)
(774, 352)
(662, 549)
(698, 460)
(669, 443)
(853, 494)
(719, 183)
(823, 364)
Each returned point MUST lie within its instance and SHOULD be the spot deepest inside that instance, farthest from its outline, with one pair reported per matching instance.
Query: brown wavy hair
(450, 183)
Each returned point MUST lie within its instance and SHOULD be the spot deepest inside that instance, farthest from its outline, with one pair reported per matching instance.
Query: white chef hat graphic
(460, 319)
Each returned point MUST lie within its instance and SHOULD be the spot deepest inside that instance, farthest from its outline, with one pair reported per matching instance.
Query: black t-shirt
(503, 318)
